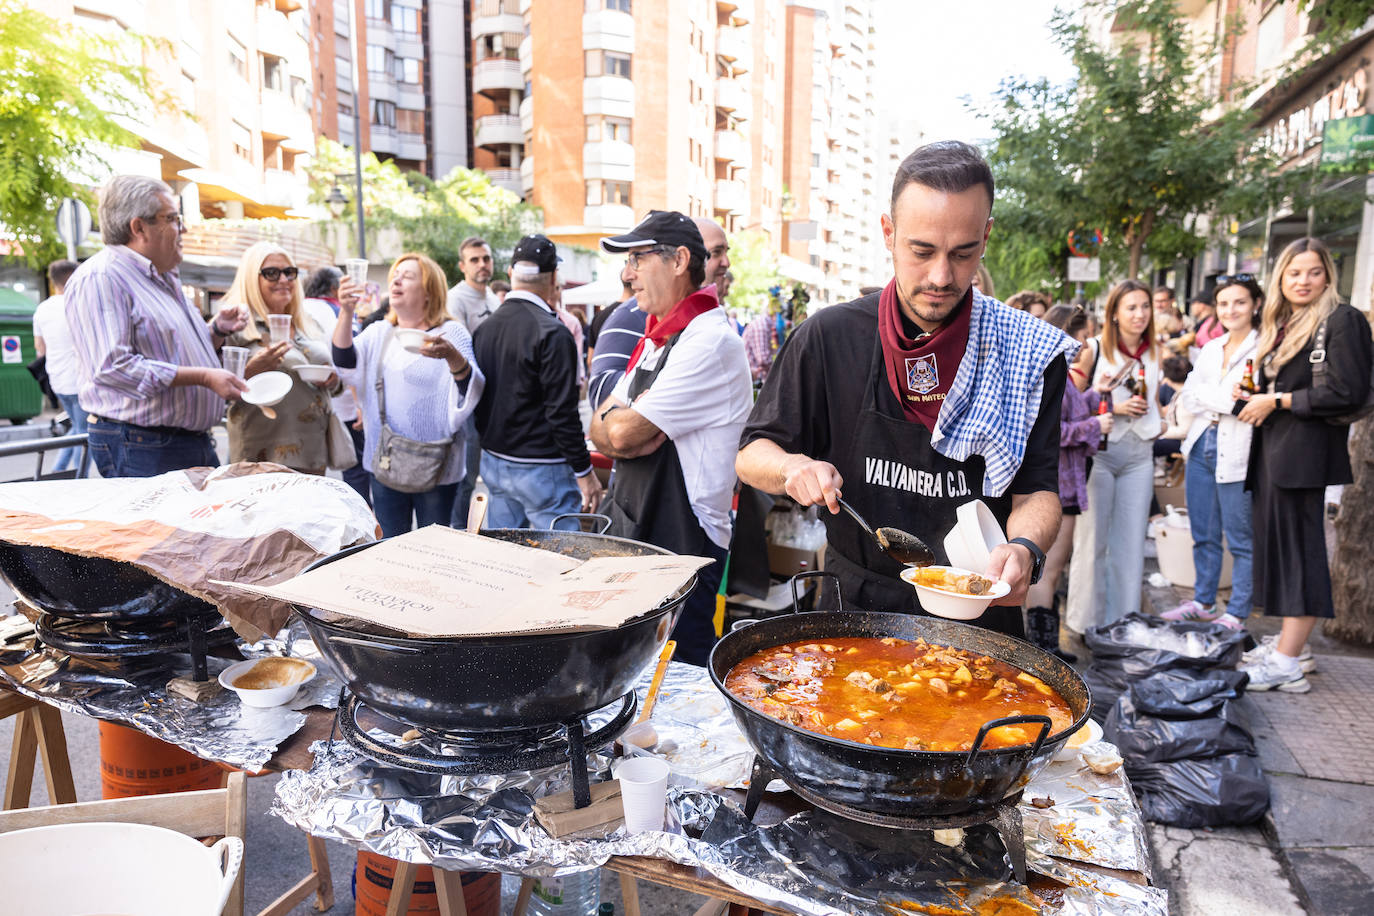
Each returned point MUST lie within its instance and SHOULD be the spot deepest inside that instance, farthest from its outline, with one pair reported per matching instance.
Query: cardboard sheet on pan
(441, 582)
(251, 522)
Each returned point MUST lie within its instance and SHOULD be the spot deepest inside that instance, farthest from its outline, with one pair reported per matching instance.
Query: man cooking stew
(917, 399)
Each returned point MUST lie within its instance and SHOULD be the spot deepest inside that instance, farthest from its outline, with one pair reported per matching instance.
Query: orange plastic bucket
(133, 764)
(374, 879)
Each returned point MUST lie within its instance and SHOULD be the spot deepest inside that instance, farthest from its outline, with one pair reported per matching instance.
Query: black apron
(894, 476)
(648, 502)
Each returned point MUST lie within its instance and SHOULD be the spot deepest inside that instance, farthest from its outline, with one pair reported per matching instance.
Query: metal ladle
(905, 548)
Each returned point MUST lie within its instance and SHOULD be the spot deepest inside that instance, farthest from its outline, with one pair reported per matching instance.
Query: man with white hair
(534, 458)
(148, 363)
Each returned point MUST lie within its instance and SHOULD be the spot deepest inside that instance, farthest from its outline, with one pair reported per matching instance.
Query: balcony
(739, 12)
(526, 175)
(277, 38)
(731, 44)
(608, 218)
(379, 32)
(489, 19)
(610, 30)
(527, 115)
(497, 75)
(508, 179)
(282, 119)
(411, 146)
(730, 145)
(283, 189)
(733, 97)
(381, 87)
(608, 95)
(610, 160)
(731, 195)
(499, 130)
(410, 95)
(384, 139)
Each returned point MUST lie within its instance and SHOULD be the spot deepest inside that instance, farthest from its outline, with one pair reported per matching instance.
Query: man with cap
(534, 457)
(673, 420)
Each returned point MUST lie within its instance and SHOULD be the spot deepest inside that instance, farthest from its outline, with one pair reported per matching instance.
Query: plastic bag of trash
(1137, 646)
(1187, 693)
(1210, 792)
(1144, 738)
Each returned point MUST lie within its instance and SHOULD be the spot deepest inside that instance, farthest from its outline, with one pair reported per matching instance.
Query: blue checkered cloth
(995, 397)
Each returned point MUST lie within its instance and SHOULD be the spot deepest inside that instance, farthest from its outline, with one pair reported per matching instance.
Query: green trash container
(20, 397)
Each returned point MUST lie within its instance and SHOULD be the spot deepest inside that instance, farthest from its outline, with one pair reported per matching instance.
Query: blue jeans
(357, 476)
(398, 512)
(67, 458)
(472, 462)
(529, 495)
(125, 450)
(1214, 508)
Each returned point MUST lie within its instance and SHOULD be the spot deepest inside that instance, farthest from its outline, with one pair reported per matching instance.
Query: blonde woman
(1109, 540)
(1295, 453)
(268, 283)
(429, 394)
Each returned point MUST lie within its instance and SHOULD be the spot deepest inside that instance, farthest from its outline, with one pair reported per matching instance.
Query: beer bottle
(1247, 382)
(1104, 407)
(1140, 390)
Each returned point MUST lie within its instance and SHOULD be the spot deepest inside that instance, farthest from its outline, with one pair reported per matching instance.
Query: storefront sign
(1300, 130)
(1348, 140)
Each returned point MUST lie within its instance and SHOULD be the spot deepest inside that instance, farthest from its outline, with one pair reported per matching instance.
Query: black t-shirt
(814, 394)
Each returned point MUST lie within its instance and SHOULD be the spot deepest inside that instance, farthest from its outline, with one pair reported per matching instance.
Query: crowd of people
(910, 401)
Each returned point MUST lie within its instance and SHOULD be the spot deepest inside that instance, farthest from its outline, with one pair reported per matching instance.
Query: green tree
(432, 216)
(63, 91)
(1133, 147)
(755, 268)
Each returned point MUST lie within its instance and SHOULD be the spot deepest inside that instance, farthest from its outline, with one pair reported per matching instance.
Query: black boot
(1038, 632)
(1052, 634)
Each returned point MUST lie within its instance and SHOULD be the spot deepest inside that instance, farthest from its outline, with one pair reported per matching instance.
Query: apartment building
(400, 66)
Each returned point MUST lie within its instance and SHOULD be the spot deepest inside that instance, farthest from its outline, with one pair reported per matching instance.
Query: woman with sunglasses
(1217, 449)
(267, 282)
(1109, 540)
(1297, 452)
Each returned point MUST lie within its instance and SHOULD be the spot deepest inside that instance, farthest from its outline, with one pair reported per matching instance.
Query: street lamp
(336, 201)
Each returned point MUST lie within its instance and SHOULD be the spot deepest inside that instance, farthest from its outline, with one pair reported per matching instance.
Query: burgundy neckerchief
(1140, 351)
(947, 344)
(678, 317)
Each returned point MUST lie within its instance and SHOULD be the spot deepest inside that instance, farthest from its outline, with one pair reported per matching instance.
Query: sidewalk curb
(1270, 831)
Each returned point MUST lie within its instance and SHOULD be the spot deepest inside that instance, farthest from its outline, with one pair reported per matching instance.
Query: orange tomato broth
(895, 693)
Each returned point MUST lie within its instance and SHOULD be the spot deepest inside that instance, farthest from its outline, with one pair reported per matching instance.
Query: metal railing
(39, 447)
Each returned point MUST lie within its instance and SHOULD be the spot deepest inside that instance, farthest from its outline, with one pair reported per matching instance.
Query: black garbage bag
(1106, 686)
(1143, 738)
(1187, 692)
(1138, 645)
(1213, 792)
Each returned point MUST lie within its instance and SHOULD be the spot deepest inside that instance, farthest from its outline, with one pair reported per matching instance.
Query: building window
(815, 160)
(601, 128)
(300, 93)
(607, 63)
(383, 113)
(380, 60)
(608, 192)
(595, 5)
(377, 9)
(273, 73)
(345, 104)
(410, 122)
(405, 20)
(407, 70)
(238, 59)
(242, 138)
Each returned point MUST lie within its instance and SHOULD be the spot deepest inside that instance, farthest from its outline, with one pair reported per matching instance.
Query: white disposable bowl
(1090, 733)
(948, 604)
(413, 339)
(266, 389)
(316, 375)
(283, 689)
(115, 868)
(971, 541)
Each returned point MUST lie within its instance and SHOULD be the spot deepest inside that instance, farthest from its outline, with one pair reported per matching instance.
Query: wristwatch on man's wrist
(1037, 558)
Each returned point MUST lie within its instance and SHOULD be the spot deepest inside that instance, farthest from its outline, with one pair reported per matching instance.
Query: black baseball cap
(537, 250)
(660, 227)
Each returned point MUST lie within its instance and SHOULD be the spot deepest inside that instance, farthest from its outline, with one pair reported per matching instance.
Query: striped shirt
(133, 329)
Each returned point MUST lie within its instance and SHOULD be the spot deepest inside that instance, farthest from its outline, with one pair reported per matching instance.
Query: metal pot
(890, 781)
(72, 585)
(494, 683)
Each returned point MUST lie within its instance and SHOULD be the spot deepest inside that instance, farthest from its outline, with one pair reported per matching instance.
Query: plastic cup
(235, 359)
(643, 791)
(357, 270)
(280, 326)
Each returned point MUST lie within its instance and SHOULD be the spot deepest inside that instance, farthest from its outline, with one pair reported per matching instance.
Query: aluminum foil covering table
(134, 693)
(810, 863)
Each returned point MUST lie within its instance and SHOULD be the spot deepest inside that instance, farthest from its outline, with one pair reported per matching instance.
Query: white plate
(941, 603)
(1092, 733)
(413, 339)
(316, 375)
(266, 389)
(265, 696)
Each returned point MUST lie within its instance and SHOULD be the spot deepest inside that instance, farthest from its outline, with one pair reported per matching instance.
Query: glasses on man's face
(1224, 279)
(634, 257)
(173, 219)
(273, 274)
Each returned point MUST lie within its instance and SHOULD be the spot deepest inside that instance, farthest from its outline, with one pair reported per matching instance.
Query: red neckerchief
(929, 363)
(1140, 351)
(678, 317)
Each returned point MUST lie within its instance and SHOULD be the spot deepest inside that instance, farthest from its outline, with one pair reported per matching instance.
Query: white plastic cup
(235, 359)
(357, 270)
(280, 326)
(643, 792)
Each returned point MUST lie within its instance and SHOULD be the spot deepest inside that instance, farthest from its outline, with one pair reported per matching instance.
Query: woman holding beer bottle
(1299, 448)
(1218, 450)
(1109, 540)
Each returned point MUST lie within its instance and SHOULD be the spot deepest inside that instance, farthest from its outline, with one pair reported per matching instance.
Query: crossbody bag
(406, 465)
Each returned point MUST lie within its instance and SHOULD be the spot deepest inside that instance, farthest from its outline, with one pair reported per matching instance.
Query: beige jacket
(298, 437)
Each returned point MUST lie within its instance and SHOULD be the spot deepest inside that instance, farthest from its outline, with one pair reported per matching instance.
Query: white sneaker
(1230, 621)
(1271, 674)
(1267, 644)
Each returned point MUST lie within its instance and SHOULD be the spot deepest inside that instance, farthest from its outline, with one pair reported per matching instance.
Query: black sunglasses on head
(1224, 279)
